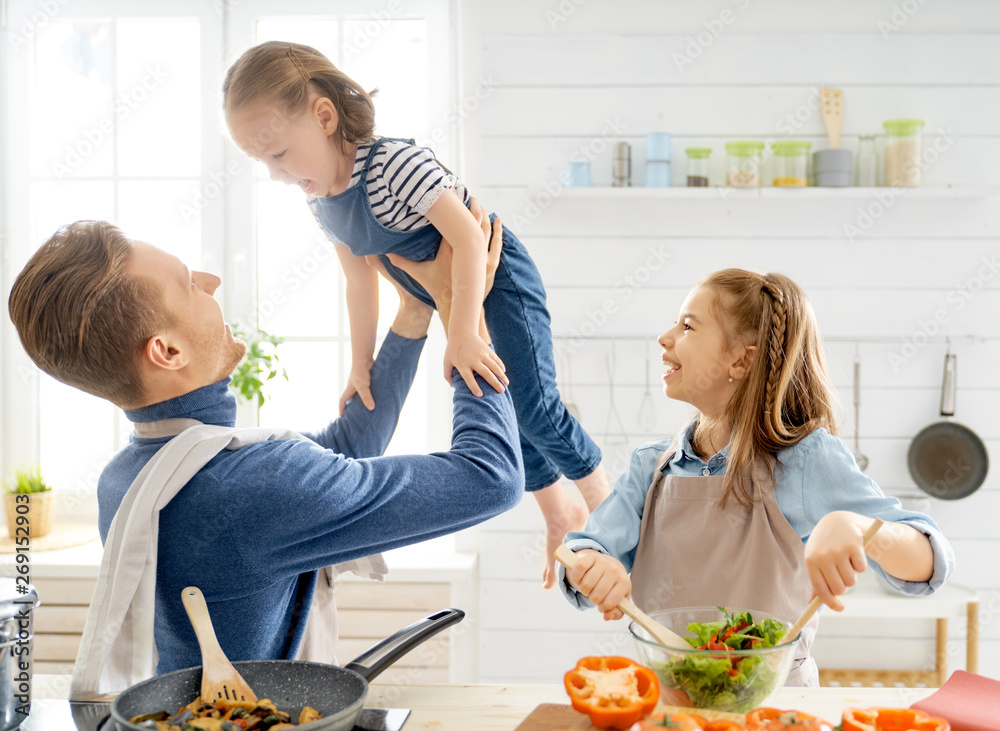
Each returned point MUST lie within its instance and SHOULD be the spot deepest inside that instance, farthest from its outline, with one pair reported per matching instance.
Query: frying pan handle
(380, 656)
(948, 386)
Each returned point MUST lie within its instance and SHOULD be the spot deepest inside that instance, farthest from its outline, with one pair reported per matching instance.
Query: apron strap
(163, 428)
(661, 464)
(371, 156)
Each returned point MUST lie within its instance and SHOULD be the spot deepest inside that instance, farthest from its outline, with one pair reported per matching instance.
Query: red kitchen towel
(968, 701)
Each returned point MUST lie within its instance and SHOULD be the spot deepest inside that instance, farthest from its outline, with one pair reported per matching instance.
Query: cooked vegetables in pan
(203, 716)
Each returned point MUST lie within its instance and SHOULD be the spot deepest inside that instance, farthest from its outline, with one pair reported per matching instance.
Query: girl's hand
(835, 555)
(601, 579)
(358, 384)
(470, 354)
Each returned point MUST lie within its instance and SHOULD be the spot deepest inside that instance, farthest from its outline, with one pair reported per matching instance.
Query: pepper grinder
(621, 166)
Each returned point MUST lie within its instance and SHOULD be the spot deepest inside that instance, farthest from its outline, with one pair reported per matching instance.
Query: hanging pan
(948, 460)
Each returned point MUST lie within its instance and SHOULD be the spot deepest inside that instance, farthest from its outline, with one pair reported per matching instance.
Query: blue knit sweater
(252, 528)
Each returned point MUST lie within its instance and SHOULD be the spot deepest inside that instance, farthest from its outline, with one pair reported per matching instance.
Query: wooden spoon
(832, 105)
(660, 633)
(220, 682)
(796, 628)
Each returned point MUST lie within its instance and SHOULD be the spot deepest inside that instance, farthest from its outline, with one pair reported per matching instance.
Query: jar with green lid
(903, 152)
(791, 163)
(744, 163)
(697, 166)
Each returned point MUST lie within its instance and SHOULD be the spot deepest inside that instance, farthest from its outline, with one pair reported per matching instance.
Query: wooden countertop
(497, 707)
(502, 707)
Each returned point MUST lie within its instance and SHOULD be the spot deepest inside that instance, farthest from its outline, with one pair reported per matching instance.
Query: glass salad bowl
(720, 676)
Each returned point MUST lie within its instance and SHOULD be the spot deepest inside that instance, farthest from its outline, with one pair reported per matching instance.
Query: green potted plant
(259, 366)
(28, 504)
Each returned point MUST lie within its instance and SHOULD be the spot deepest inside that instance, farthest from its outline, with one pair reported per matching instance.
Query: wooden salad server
(794, 630)
(660, 633)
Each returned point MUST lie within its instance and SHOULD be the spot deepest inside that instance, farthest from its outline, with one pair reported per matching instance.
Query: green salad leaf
(721, 682)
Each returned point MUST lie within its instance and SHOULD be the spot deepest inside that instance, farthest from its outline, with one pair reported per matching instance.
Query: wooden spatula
(832, 105)
(220, 682)
(810, 610)
(660, 633)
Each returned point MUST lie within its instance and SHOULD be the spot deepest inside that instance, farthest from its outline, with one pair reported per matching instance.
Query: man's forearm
(362, 433)
(412, 320)
(367, 505)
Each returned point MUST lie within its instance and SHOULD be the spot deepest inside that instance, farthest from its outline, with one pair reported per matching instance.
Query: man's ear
(326, 114)
(161, 352)
(739, 369)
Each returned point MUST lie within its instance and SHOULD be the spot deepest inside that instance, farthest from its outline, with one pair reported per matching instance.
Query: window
(112, 110)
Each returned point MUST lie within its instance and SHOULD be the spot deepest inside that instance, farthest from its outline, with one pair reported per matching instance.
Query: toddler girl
(312, 126)
(756, 500)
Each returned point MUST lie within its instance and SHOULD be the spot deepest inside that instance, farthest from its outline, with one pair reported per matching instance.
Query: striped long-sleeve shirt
(404, 181)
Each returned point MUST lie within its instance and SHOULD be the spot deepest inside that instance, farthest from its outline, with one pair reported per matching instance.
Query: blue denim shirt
(817, 476)
(252, 528)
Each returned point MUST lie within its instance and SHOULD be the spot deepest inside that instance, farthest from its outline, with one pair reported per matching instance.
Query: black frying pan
(337, 693)
(948, 460)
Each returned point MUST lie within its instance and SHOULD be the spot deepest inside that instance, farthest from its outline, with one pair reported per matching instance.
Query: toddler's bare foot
(561, 516)
(555, 533)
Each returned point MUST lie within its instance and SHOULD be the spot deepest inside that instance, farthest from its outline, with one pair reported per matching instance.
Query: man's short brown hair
(81, 317)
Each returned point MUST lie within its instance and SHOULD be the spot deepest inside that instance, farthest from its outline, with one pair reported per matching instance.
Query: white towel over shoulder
(118, 648)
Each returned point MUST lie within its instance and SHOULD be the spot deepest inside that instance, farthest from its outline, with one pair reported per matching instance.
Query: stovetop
(60, 715)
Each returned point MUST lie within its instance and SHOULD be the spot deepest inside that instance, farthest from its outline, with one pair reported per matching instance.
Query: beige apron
(117, 648)
(693, 552)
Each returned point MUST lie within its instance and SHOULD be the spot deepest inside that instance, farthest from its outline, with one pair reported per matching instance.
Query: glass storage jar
(866, 169)
(697, 166)
(791, 163)
(744, 163)
(902, 153)
(658, 148)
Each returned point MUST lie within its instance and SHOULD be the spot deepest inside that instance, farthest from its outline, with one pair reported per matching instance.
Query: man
(130, 323)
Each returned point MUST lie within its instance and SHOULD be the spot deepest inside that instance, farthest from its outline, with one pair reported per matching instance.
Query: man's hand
(601, 579)
(435, 276)
(413, 317)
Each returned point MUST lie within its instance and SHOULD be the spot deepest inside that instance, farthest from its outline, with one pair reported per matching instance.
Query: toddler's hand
(601, 579)
(358, 384)
(470, 354)
(835, 554)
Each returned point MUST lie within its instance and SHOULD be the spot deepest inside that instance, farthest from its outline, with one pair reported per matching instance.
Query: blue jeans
(552, 441)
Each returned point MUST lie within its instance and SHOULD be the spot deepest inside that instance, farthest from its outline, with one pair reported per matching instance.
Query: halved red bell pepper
(771, 719)
(891, 719)
(614, 692)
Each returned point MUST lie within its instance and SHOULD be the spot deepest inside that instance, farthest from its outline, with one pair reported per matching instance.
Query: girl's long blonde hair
(786, 394)
(282, 74)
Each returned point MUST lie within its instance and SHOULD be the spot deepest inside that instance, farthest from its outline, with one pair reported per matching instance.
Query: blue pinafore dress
(552, 441)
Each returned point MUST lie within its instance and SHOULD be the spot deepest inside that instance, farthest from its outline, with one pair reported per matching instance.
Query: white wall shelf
(810, 193)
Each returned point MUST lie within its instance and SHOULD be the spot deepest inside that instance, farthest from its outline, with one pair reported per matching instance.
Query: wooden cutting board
(552, 716)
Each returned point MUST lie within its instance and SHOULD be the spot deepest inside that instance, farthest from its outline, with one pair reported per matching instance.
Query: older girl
(755, 503)
(293, 110)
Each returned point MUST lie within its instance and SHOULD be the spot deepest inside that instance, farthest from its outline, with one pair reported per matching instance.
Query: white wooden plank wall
(574, 77)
